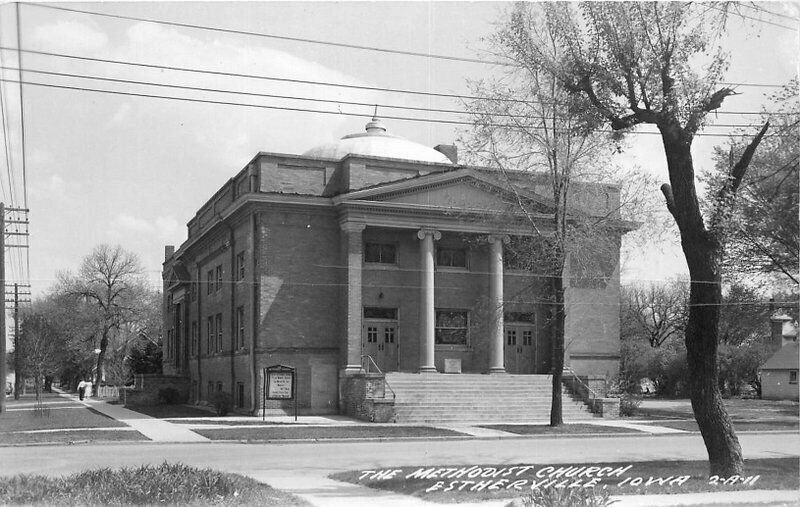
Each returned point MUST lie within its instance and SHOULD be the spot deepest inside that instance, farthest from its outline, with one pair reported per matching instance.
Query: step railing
(371, 362)
(592, 394)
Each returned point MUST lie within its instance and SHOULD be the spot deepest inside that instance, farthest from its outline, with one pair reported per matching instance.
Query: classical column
(427, 314)
(496, 303)
(354, 253)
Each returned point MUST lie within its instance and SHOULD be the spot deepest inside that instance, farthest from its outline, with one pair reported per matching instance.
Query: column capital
(501, 238)
(432, 232)
(352, 226)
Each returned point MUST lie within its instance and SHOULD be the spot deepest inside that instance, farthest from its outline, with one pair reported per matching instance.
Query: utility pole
(17, 355)
(3, 368)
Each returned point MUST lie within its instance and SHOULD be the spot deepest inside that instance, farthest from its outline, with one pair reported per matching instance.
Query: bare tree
(655, 311)
(41, 345)
(109, 281)
(637, 63)
(543, 140)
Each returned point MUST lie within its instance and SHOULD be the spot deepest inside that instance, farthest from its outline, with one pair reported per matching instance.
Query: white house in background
(779, 373)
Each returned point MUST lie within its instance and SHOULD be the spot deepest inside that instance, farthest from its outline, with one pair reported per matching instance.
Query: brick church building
(374, 265)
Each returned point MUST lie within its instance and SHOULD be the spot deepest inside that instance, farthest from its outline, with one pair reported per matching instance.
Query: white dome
(375, 142)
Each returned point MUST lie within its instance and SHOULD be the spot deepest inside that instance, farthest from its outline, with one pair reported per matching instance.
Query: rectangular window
(792, 376)
(526, 317)
(210, 389)
(219, 332)
(451, 327)
(210, 282)
(527, 338)
(511, 336)
(240, 327)
(240, 395)
(373, 312)
(240, 265)
(210, 335)
(451, 257)
(219, 386)
(192, 291)
(194, 338)
(219, 277)
(380, 253)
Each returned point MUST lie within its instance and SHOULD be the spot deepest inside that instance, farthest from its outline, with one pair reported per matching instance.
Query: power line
(272, 36)
(744, 16)
(296, 109)
(285, 97)
(305, 81)
(313, 41)
(772, 13)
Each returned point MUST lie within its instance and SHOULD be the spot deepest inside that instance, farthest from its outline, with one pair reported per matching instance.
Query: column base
(496, 370)
(427, 369)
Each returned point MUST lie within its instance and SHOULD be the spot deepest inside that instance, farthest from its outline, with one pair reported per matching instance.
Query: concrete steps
(461, 398)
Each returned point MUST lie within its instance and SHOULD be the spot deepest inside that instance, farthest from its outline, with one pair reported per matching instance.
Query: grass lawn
(72, 436)
(172, 411)
(76, 422)
(147, 485)
(514, 481)
(323, 432)
(566, 429)
(766, 425)
(738, 409)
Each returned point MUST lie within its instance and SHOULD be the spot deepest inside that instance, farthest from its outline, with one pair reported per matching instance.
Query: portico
(408, 240)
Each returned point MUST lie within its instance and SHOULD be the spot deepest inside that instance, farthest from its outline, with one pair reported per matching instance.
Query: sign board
(280, 385)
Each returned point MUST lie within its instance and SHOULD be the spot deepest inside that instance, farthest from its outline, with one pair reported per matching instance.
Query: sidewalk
(156, 430)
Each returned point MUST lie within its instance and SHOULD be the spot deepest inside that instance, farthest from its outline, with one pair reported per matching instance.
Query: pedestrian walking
(81, 389)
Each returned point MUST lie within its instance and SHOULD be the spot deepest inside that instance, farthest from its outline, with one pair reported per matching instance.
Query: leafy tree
(739, 366)
(763, 230)
(145, 358)
(108, 289)
(543, 141)
(639, 63)
(744, 316)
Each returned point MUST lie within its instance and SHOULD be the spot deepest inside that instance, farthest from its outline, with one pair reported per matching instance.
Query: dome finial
(376, 125)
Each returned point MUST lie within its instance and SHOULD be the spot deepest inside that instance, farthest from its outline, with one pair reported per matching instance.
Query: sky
(133, 170)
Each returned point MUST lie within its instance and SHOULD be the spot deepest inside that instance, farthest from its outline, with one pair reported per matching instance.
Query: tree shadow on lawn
(737, 408)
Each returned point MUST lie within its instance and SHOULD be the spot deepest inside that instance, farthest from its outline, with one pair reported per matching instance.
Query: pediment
(178, 274)
(463, 192)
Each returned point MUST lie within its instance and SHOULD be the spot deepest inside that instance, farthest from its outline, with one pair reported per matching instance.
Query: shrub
(629, 404)
(222, 402)
(563, 497)
(170, 396)
(170, 484)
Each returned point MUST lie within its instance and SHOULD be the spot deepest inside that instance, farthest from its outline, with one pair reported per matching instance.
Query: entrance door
(520, 349)
(380, 341)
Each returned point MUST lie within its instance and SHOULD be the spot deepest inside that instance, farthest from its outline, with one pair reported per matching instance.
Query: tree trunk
(557, 337)
(703, 253)
(101, 357)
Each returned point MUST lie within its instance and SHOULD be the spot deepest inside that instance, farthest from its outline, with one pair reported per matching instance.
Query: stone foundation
(363, 396)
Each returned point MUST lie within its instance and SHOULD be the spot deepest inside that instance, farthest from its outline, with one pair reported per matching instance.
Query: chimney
(169, 251)
(781, 328)
(448, 150)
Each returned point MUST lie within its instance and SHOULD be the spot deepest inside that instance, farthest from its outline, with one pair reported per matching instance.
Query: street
(302, 468)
